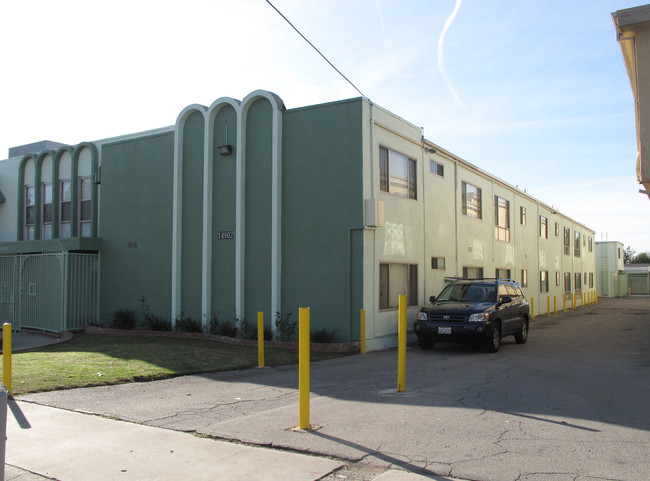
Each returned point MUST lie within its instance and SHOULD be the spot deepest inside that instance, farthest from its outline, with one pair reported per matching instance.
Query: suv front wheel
(493, 338)
(425, 343)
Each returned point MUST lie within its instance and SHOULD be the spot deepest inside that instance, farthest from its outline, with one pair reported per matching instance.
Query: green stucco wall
(322, 204)
(136, 224)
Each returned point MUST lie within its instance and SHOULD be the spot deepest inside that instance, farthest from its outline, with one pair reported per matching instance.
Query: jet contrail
(441, 64)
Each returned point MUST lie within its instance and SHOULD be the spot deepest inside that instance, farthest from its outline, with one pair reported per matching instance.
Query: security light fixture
(225, 149)
(431, 151)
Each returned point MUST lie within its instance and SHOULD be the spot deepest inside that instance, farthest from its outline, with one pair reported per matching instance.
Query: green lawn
(95, 360)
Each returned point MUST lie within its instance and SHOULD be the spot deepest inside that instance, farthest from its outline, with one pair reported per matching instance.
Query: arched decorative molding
(210, 115)
(276, 202)
(208, 170)
(177, 214)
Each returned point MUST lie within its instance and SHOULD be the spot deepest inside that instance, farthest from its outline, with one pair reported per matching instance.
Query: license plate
(444, 330)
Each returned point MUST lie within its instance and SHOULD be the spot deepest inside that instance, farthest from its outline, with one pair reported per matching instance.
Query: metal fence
(50, 292)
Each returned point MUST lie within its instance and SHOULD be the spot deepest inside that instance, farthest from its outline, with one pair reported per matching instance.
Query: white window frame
(85, 200)
(29, 192)
(65, 226)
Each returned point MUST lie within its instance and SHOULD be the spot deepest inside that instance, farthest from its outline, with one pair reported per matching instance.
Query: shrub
(152, 322)
(158, 323)
(249, 331)
(123, 319)
(323, 336)
(186, 324)
(223, 329)
(285, 328)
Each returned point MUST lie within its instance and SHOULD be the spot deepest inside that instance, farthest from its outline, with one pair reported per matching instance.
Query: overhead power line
(312, 46)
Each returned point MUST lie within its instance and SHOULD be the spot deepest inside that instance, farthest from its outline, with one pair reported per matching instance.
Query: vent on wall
(374, 213)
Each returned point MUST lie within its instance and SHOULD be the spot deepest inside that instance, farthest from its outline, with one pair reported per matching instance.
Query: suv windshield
(475, 292)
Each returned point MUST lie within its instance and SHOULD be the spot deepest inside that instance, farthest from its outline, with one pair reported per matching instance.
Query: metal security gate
(7, 289)
(639, 282)
(51, 292)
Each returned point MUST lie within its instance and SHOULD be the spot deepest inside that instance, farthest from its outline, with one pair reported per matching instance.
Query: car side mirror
(432, 299)
(505, 300)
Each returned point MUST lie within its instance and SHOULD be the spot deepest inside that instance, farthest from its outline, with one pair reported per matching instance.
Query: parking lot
(570, 404)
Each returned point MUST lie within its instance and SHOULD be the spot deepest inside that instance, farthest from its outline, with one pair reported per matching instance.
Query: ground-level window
(543, 281)
(578, 279)
(502, 273)
(46, 214)
(472, 201)
(567, 284)
(501, 219)
(591, 280)
(65, 209)
(524, 278)
(438, 263)
(473, 272)
(397, 174)
(396, 280)
(30, 211)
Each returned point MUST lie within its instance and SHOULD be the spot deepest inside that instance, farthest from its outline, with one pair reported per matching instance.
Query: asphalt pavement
(571, 404)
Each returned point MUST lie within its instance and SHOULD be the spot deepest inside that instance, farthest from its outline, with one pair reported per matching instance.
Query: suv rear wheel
(522, 336)
(494, 338)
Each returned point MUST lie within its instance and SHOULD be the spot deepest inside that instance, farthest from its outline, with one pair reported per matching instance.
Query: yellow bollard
(548, 305)
(303, 366)
(362, 335)
(260, 339)
(401, 346)
(532, 308)
(629, 291)
(554, 304)
(6, 356)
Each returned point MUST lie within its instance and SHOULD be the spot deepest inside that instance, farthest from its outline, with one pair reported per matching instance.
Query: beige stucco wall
(434, 226)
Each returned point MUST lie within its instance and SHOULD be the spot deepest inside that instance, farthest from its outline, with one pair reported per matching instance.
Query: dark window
(471, 201)
(438, 263)
(397, 174)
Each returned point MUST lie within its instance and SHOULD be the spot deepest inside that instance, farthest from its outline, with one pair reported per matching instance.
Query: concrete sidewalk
(51, 443)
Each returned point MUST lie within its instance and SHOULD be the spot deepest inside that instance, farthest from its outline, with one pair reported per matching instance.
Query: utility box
(374, 213)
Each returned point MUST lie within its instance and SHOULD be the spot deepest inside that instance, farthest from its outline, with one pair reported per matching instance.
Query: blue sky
(533, 91)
